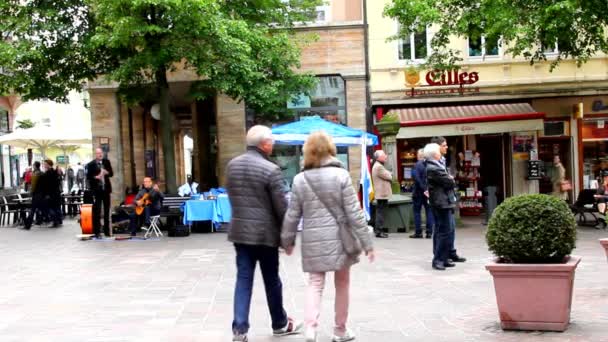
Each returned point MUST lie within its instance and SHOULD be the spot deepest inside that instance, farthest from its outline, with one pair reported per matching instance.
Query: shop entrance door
(490, 148)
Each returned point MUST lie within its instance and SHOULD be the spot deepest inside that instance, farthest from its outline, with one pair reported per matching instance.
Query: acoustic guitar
(86, 218)
(142, 203)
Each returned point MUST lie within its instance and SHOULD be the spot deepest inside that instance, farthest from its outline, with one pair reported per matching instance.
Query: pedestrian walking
(443, 149)
(80, 176)
(71, 177)
(560, 185)
(98, 173)
(27, 179)
(334, 225)
(51, 183)
(37, 211)
(382, 180)
(443, 201)
(420, 198)
(256, 188)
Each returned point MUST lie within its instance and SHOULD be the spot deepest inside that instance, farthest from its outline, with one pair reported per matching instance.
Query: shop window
(480, 47)
(415, 48)
(327, 100)
(4, 126)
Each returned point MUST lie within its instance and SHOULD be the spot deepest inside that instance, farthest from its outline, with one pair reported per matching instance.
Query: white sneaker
(293, 327)
(348, 336)
(310, 335)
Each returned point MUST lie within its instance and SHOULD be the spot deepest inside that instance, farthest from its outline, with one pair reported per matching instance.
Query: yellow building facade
(496, 111)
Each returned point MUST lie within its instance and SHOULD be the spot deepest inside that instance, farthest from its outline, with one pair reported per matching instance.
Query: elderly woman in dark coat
(324, 190)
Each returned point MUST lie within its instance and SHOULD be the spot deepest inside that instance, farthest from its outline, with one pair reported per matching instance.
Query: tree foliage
(242, 48)
(25, 123)
(526, 28)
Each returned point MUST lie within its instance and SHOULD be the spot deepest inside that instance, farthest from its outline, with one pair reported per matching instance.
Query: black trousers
(102, 198)
(380, 205)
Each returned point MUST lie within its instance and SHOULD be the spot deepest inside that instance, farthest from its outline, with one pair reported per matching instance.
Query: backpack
(80, 174)
(70, 173)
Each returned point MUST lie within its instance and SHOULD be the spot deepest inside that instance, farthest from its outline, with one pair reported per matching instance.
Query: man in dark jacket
(98, 173)
(443, 200)
(257, 194)
(51, 183)
(420, 197)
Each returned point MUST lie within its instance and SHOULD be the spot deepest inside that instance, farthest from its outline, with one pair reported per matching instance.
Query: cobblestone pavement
(56, 288)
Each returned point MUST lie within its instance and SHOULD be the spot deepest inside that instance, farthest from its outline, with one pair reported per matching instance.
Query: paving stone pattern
(56, 288)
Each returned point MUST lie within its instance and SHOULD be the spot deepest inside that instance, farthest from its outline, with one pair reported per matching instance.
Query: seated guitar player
(148, 202)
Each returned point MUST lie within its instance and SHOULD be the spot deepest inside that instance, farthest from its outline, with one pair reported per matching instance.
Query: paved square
(56, 288)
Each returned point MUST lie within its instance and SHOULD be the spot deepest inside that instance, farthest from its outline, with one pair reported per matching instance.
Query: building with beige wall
(218, 126)
(508, 108)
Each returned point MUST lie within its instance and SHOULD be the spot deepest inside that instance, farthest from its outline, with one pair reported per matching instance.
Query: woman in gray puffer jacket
(325, 182)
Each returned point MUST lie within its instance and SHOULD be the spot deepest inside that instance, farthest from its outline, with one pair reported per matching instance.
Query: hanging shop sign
(441, 78)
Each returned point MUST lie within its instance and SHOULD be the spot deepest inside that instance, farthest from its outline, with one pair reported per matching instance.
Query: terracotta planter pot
(534, 296)
(604, 243)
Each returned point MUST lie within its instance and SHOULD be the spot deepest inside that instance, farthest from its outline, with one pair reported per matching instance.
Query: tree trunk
(166, 130)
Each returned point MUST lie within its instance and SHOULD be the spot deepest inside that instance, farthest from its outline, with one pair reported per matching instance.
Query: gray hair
(378, 153)
(431, 150)
(421, 152)
(258, 134)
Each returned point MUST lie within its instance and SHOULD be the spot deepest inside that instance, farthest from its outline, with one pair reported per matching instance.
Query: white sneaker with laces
(348, 336)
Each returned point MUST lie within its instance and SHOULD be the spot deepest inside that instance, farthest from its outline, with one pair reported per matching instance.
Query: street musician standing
(148, 202)
(99, 172)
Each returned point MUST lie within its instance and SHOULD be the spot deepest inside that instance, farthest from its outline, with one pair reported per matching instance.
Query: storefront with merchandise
(489, 146)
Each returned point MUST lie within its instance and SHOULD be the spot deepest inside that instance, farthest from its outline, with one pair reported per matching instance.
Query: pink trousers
(314, 292)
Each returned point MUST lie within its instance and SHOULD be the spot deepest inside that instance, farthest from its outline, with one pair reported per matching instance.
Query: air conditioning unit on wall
(555, 129)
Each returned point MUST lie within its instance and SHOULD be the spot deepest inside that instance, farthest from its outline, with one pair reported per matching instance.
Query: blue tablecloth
(218, 211)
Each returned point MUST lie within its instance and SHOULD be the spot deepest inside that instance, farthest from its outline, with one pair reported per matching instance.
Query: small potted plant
(532, 237)
(389, 125)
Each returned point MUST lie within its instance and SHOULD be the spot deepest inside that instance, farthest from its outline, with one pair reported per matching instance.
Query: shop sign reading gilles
(438, 78)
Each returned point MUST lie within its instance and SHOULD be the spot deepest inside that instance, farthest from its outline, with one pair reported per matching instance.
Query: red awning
(411, 117)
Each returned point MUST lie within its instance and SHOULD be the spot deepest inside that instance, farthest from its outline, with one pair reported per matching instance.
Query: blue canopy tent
(296, 133)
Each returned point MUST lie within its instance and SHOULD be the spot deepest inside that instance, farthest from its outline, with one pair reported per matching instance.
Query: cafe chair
(585, 210)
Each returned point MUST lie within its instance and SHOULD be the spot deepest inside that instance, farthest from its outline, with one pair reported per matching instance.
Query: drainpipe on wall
(368, 105)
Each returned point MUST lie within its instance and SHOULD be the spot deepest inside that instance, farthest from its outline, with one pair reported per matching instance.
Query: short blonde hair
(317, 148)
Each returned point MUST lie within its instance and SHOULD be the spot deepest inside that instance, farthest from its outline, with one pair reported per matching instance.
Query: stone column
(230, 132)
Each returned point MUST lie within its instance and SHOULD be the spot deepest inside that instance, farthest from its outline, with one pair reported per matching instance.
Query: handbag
(565, 186)
(350, 243)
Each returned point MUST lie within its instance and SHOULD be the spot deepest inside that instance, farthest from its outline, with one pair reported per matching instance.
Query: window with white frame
(415, 48)
(480, 47)
(323, 14)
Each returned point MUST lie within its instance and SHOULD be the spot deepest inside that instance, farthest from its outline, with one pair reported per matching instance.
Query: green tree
(25, 123)
(526, 28)
(243, 48)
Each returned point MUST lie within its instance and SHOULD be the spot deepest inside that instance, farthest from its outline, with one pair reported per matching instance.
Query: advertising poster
(523, 143)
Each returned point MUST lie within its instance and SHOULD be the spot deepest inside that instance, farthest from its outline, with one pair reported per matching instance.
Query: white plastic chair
(153, 228)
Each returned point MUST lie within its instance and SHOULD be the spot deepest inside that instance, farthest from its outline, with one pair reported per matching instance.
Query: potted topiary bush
(532, 237)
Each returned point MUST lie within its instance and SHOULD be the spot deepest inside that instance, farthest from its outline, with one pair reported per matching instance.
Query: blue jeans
(453, 237)
(444, 229)
(420, 202)
(247, 256)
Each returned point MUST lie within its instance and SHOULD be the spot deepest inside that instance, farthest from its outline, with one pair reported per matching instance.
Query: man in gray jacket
(257, 194)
